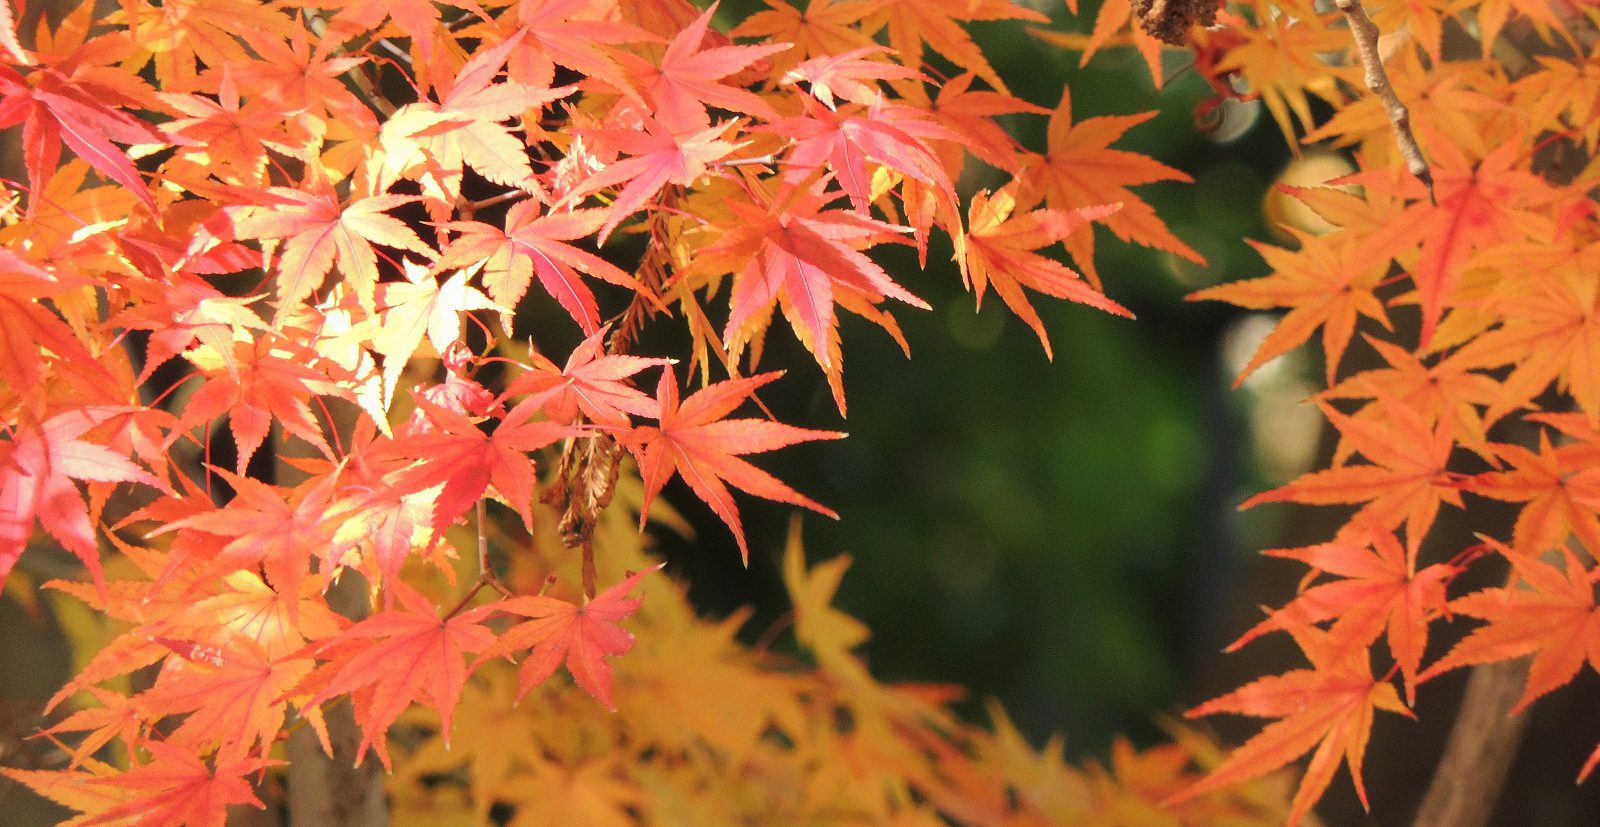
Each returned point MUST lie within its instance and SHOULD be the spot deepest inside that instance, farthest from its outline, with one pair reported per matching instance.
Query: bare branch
(1366, 33)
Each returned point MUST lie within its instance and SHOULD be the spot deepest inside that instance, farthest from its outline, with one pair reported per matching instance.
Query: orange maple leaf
(1000, 252)
(1080, 169)
(1327, 282)
(937, 23)
(1549, 612)
(177, 788)
(1328, 707)
(1406, 482)
(582, 636)
(1479, 204)
(695, 442)
(1378, 592)
(396, 658)
(1543, 480)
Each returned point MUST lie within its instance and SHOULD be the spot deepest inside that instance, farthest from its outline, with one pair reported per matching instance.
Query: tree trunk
(1483, 742)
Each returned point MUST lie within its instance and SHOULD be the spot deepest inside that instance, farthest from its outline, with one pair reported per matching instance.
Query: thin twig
(486, 576)
(388, 46)
(1365, 33)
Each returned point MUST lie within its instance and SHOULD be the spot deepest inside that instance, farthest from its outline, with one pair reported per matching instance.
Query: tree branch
(1365, 33)
(1482, 744)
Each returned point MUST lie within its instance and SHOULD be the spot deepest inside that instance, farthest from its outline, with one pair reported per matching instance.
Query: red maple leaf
(796, 254)
(55, 109)
(269, 378)
(37, 467)
(31, 330)
(582, 636)
(656, 157)
(695, 442)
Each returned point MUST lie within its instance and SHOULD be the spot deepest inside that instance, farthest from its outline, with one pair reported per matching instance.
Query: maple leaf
(590, 384)
(233, 698)
(849, 74)
(970, 113)
(31, 330)
(1548, 331)
(1327, 708)
(1479, 204)
(689, 78)
(267, 379)
(656, 158)
(1406, 483)
(1079, 169)
(117, 717)
(1548, 612)
(581, 636)
(824, 29)
(533, 244)
(187, 310)
(229, 136)
(268, 531)
(297, 74)
(937, 23)
(1379, 592)
(396, 658)
(694, 441)
(1443, 392)
(847, 140)
(417, 307)
(466, 461)
(999, 252)
(1327, 282)
(37, 467)
(55, 109)
(318, 231)
(465, 127)
(177, 788)
(826, 632)
(571, 33)
(1546, 481)
(795, 254)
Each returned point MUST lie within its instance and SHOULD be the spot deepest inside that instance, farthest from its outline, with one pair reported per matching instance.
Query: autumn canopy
(278, 288)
